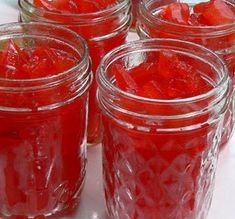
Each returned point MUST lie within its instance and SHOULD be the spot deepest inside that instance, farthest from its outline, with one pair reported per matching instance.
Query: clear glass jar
(159, 156)
(220, 38)
(43, 156)
(103, 31)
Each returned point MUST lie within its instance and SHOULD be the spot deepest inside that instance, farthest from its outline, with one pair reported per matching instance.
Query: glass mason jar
(43, 156)
(159, 156)
(220, 38)
(103, 31)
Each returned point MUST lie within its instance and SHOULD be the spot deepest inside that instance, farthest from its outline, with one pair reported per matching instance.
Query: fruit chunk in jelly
(214, 12)
(170, 77)
(20, 63)
(177, 13)
(74, 6)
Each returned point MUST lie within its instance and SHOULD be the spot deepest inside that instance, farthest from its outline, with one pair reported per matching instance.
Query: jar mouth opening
(104, 81)
(81, 17)
(213, 28)
(81, 62)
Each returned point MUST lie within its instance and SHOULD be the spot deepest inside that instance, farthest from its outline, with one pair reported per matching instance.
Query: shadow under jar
(43, 121)
(103, 30)
(219, 38)
(160, 155)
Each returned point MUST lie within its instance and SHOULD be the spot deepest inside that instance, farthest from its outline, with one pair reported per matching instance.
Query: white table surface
(92, 202)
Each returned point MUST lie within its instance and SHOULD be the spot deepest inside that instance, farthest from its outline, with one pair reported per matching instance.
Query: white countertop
(92, 203)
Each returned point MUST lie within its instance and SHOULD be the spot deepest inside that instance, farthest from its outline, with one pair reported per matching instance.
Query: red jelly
(20, 63)
(215, 12)
(167, 78)
(135, 4)
(103, 23)
(74, 6)
(162, 108)
(44, 80)
(205, 23)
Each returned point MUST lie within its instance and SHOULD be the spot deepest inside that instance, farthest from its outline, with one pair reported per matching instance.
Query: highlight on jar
(104, 24)
(163, 103)
(44, 80)
(211, 24)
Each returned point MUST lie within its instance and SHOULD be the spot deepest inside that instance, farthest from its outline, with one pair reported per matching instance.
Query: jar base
(61, 210)
(57, 212)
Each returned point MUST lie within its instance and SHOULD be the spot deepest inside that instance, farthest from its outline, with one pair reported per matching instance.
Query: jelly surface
(74, 6)
(42, 157)
(169, 77)
(151, 172)
(201, 24)
(214, 12)
(19, 63)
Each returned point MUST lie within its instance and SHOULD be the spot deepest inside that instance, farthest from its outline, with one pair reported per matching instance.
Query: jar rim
(103, 81)
(82, 18)
(228, 27)
(84, 56)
